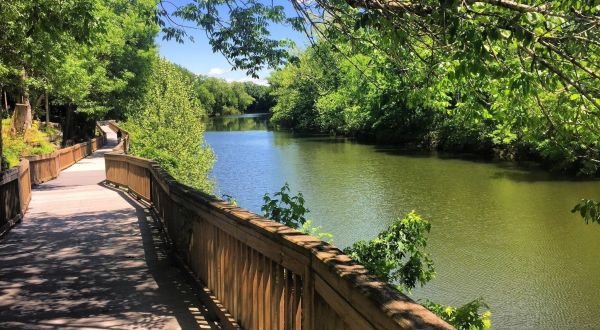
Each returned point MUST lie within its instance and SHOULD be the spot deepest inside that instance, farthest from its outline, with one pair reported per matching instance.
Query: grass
(33, 142)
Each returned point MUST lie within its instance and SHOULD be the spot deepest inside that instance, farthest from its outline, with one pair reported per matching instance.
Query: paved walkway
(89, 257)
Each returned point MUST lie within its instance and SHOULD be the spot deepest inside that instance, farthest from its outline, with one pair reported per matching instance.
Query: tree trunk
(47, 109)
(37, 103)
(5, 102)
(22, 119)
(2, 131)
(68, 130)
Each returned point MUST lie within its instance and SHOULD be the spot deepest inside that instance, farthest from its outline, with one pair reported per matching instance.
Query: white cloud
(259, 81)
(216, 71)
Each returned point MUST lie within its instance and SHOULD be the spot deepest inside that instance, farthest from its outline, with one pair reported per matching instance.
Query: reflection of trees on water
(255, 123)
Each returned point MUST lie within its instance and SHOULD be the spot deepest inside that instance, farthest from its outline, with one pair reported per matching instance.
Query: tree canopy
(89, 56)
(165, 126)
(529, 66)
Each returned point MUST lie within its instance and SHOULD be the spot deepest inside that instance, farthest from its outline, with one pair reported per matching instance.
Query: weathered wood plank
(267, 274)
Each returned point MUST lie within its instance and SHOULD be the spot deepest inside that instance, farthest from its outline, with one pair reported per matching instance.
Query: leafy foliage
(466, 317)
(397, 253)
(589, 210)
(519, 76)
(453, 101)
(290, 211)
(317, 231)
(239, 31)
(263, 100)
(35, 141)
(89, 56)
(221, 97)
(285, 208)
(166, 127)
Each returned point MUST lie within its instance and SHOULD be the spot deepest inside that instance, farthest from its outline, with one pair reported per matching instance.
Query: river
(499, 231)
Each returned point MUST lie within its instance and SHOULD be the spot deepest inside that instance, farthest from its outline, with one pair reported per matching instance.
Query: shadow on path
(88, 256)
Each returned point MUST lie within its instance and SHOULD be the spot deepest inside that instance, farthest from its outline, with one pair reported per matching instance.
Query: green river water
(499, 231)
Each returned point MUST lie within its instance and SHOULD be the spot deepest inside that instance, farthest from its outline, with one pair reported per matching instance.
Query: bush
(33, 142)
(166, 127)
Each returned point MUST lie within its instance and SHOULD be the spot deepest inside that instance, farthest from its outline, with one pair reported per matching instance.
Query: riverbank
(478, 150)
(437, 142)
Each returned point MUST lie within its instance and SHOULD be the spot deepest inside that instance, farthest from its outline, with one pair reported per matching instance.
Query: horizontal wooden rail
(15, 183)
(123, 135)
(15, 194)
(47, 167)
(267, 275)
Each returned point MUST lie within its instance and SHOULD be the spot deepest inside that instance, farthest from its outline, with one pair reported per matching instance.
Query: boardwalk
(88, 257)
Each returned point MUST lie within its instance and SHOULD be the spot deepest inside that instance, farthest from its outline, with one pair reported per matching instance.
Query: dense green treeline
(221, 98)
(360, 92)
(70, 62)
(520, 77)
(476, 86)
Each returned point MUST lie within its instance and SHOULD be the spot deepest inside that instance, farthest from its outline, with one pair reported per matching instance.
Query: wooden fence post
(19, 188)
(24, 185)
(3, 216)
(308, 297)
(57, 163)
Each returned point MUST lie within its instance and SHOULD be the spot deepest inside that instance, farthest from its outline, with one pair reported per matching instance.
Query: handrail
(100, 131)
(15, 183)
(47, 167)
(15, 195)
(123, 145)
(267, 275)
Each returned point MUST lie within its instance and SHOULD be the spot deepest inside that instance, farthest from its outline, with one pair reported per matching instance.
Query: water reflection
(247, 122)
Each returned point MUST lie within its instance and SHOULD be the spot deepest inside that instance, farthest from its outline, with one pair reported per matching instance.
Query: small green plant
(285, 208)
(397, 254)
(466, 317)
(309, 229)
(290, 211)
(589, 210)
(230, 199)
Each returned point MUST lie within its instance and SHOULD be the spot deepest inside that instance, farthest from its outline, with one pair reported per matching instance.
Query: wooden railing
(123, 135)
(266, 275)
(15, 183)
(47, 167)
(15, 194)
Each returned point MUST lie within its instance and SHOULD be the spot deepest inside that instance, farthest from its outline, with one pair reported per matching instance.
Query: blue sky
(198, 57)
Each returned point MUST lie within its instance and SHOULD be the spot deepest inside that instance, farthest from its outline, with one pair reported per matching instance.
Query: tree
(221, 97)
(36, 35)
(166, 127)
(91, 56)
(263, 100)
(544, 52)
